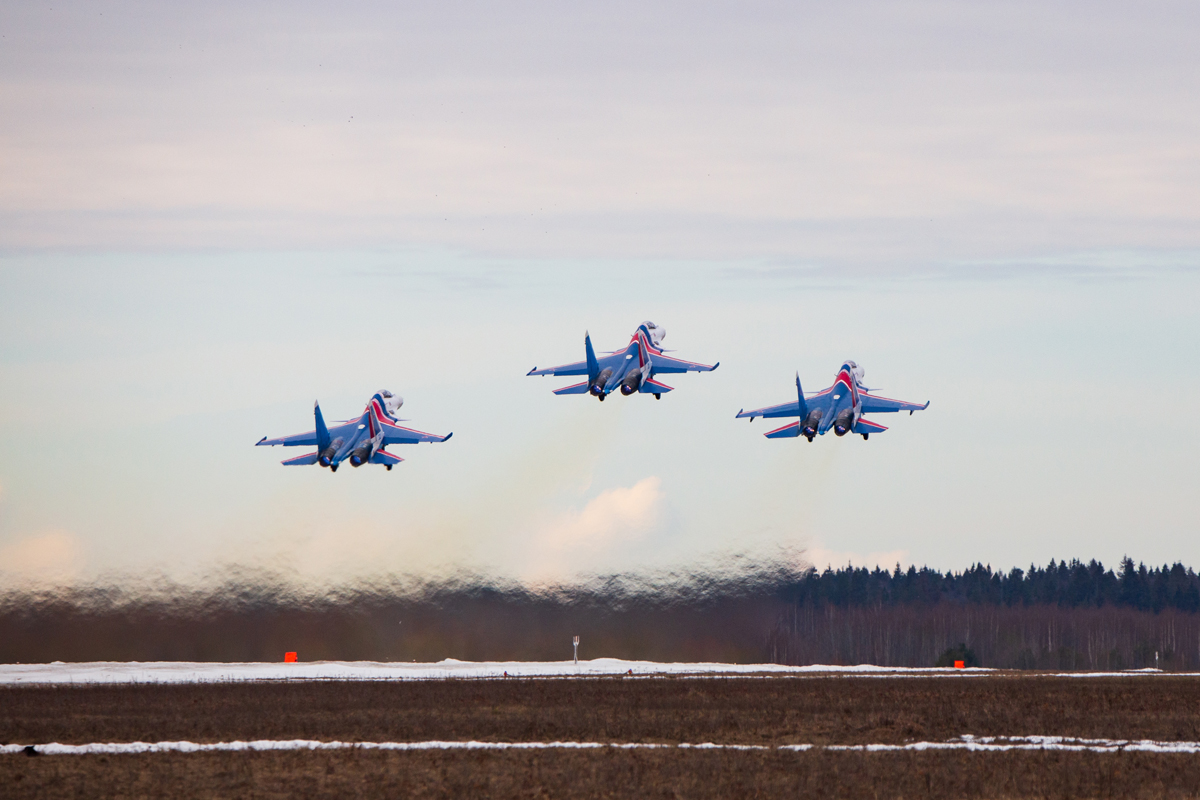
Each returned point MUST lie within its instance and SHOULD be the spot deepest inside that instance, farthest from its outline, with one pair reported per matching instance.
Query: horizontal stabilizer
(652, 386)
(866, 426)
(786, 432)
(384, 457)
(575, 388)
(302, 461)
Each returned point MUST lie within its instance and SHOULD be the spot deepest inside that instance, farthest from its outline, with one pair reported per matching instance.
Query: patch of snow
(221, 672)
(978, 744)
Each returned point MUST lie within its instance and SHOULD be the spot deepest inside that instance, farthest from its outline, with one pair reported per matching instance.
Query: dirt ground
(779, 710)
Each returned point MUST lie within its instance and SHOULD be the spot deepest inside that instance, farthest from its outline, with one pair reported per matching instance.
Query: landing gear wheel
(865, 435)
(658, 395)
(389, 467)
(810, 438)
(601, 397)
(333, 467)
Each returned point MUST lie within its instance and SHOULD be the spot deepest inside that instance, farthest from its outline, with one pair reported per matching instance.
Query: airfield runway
(457, 730)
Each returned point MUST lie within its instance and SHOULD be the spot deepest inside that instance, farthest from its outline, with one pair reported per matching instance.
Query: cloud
(54, 556)
(952, 130)
(615, 516)
(821, 557)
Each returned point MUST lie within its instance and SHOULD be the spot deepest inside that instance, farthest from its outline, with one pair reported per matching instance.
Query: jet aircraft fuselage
(359, 441)
(839, 408)
(627, 371)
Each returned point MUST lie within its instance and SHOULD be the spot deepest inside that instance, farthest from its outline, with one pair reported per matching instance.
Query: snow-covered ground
(206, 672)
(221, 672)
(978, 744)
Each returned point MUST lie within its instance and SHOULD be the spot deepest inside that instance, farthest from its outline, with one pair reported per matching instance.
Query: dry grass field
(762, 711)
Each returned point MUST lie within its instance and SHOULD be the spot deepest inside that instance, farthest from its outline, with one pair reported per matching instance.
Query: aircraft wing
(873, 404)
(295, 440)
(581, 367)
(311, 439)
(578, 368)
(395, 434)
(791, 409)
(819, 400)
(667, 364)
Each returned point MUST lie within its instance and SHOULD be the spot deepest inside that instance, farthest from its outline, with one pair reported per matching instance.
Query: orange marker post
(957, 664)
(290, 658)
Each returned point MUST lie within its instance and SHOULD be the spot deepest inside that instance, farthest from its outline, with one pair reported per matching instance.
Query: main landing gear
(658, 395)
(389, 467)
(865, 435)
(333, 467)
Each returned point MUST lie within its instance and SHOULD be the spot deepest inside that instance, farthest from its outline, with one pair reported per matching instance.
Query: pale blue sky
(135, 387)
(211, 216)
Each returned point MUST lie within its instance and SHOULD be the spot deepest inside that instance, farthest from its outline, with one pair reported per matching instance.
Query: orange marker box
(957, 664)
(291, 657)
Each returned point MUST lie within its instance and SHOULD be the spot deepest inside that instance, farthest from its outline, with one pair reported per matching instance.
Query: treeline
(1068, 615)
(1065, 584)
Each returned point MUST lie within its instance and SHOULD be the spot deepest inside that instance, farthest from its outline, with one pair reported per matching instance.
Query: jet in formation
(630, 370)
(840, 408)
(359, 441)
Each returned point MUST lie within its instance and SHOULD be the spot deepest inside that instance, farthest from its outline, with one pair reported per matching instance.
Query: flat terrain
(735, 710)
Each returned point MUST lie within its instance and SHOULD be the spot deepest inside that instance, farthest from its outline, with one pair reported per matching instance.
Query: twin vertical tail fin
(801, 406)
(322, 432)
(592, 364)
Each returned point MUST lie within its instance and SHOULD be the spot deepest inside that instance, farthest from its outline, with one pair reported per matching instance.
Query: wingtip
(739, 414)
(446, 438)
(527, 374)
(260, 441)
(715, 366)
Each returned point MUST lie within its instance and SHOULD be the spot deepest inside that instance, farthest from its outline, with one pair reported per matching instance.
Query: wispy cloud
(51, 557)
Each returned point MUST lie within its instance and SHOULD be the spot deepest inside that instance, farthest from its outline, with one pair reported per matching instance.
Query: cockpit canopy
(657, 334)
(857, 371)
(391, 401)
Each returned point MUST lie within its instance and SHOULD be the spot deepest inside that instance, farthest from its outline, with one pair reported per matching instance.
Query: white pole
(575, 642)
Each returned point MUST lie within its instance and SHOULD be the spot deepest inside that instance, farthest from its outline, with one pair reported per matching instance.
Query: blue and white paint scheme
(359, 441)
(839, 408)
(629, 371)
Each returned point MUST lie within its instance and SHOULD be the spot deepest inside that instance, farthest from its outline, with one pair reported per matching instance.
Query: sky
(211, 217)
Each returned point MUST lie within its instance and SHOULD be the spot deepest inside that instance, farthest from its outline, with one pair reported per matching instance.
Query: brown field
(834, 710)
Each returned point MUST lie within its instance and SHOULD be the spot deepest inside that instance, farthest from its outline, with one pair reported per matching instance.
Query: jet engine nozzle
(328, 453)
(844, 422)
(360, 455)
(631, 383)
(809, 426)
(597, 387)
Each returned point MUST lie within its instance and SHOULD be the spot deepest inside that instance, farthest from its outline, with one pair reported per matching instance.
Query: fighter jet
(630, 370)
(840, 407)
(361, 440)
